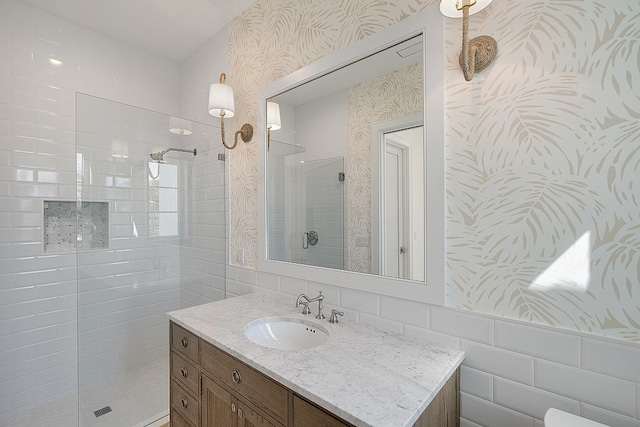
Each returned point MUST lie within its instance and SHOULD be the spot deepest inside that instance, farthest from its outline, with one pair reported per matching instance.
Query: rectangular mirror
(352, 162)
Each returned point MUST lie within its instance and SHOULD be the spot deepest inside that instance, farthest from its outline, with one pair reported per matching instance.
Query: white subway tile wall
(536, 341)
(587, 386)
(38, 292)
(513, 371)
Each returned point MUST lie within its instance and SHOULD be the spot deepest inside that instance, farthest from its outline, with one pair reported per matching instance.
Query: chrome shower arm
(159, 156)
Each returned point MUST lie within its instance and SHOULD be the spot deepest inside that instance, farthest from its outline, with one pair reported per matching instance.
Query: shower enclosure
(150, 238)
(306, 207)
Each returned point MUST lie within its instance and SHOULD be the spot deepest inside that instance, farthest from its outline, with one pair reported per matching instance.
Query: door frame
(378, 131)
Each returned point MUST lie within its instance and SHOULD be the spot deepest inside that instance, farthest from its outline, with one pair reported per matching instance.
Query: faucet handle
(334, 316)
(305, 309)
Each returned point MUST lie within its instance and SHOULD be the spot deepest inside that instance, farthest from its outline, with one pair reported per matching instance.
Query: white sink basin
(286, 333)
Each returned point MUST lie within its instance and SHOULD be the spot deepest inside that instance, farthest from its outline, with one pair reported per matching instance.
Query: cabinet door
(248, 417)
(219, 407)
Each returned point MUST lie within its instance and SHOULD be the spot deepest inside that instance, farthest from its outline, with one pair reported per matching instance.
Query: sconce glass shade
(273, 116)
(221, 100)
(119, 149)
(449, 8)
(179, 126)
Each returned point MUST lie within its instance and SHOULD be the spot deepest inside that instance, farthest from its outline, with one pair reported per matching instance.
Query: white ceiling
(172, 29)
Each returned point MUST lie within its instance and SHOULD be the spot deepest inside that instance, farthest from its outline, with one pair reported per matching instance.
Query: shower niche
(69, 225)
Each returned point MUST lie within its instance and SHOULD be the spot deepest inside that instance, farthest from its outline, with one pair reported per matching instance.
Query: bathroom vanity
(359, 376)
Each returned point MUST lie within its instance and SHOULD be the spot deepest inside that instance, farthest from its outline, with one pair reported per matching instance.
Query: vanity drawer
(184, 403)
(177, 420)
(270, 396)
(185, 372)
(184, 341)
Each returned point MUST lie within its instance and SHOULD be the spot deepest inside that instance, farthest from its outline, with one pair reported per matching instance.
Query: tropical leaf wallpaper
(391, 96)
(543, 147)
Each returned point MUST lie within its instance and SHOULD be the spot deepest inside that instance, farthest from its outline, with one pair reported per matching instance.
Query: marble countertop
(364, 375)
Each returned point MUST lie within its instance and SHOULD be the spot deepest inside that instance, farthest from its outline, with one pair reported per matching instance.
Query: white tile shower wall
(202, 229)
(513, 371)
(203, 254)
(277, 220)
(37, 160)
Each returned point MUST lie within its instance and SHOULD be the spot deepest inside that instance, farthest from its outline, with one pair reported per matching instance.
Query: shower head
(159, 156)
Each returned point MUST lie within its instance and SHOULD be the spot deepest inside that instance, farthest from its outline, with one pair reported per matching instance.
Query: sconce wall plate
(482, 50)
(476, 53)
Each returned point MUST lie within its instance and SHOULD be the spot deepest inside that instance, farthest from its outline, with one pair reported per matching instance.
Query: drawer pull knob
(184, 372)
(235, 375)
(233, 408)
(185, 403)
(184, 342)
(240, 412)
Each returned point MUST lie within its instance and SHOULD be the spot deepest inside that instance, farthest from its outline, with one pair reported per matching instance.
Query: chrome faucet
(306, 309)
(307, 301)
(334, 316)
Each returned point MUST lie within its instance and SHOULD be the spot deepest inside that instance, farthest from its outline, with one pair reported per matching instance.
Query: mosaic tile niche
(66, 229)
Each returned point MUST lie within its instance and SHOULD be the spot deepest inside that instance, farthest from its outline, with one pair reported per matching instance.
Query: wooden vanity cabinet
(211, 388)
(221, 408)
(184, 387)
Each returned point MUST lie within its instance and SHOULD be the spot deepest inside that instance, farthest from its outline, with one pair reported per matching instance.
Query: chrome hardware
(299, 301)
(233, 408)
(235, 375)
(184, 342)
(309, 238)
(312, 237)
(240, 412)
(184, 372)
(185, 403)
(306, 309)
(334, 316)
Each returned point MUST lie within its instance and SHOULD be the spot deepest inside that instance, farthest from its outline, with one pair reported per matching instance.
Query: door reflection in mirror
(401, 201)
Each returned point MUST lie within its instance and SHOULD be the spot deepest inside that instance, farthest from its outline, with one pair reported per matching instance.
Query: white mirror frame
(429, 22)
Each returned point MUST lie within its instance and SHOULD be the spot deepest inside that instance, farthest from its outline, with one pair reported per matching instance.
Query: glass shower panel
(306, 198)
(163, 250)
(325, 212)
(286, 188)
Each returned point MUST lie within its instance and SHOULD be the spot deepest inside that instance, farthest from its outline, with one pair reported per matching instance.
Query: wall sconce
(221, 104)
(479, 52)
(119, 149)
(273, 119)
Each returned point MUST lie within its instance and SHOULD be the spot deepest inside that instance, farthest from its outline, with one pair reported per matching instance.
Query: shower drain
(102, 411)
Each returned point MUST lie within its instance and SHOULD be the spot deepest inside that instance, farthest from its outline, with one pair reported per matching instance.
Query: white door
(394, 212)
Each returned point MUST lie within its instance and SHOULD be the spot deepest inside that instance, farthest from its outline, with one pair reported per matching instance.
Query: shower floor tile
(137, 398)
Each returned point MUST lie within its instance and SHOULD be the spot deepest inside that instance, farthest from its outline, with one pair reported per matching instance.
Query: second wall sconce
(221, 104)
(479, 52)
(273, 119)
